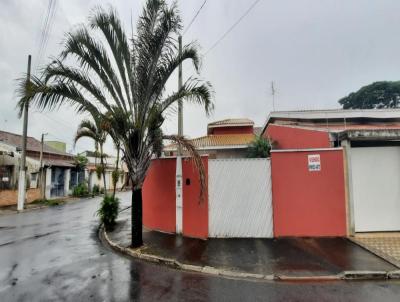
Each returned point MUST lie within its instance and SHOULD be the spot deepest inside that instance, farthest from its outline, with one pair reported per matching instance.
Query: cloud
(314, 51)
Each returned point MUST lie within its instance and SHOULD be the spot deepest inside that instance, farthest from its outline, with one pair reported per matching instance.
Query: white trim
(230, 125)
(333, 114)
(240, 159)
(214, 148)
(306, 150)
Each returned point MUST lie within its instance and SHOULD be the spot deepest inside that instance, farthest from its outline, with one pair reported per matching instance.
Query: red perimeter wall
(289, 137)
(195, 212)
(308, 203)
(159, 200)
(159, 196)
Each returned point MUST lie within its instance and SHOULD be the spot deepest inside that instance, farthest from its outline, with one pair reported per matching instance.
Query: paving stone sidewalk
(297, 257)
(386, 245)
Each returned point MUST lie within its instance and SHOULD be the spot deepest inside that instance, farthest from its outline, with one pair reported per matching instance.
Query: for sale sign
(314, 162)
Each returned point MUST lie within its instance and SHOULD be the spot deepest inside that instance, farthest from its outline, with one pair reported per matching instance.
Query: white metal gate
(376, 188)
(240, 198)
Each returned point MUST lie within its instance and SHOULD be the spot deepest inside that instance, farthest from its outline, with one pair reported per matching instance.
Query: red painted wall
(159, 211)
(195, 212)
(232, 130)
(308, 203)
(288, 137)
(159, 200)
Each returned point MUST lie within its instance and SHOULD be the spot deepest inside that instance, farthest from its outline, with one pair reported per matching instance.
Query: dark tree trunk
(103, 166)
(136, 216)
(116, 170)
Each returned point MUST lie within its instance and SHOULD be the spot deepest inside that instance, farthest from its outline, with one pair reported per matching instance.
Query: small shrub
(80, 190)
(108, 211)
(259, 148)
(48, 202)
(96, 190)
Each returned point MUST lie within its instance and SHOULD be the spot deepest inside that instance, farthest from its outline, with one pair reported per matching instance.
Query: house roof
(58, 163)
(217, 141)
(344, 127)
(230, 122)
(343, 115)
(32, 144)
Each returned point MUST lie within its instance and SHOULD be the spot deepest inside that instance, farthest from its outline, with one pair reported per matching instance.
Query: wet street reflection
(54, 254)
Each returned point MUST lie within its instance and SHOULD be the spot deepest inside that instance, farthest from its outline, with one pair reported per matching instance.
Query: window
(34, 176)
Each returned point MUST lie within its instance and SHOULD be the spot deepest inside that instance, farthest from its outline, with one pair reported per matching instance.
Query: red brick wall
(10, 197)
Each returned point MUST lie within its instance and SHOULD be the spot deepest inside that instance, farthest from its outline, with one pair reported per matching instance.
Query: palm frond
(192, 91)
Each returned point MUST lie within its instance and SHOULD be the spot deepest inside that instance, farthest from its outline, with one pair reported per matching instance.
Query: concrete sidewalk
(283, 258)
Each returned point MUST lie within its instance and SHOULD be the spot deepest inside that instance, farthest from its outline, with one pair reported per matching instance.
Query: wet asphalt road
(54, 255)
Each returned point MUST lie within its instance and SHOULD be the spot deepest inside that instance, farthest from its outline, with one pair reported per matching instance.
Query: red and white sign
(314, 162)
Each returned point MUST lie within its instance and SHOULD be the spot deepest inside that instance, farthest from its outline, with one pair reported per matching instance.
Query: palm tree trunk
(116, 170)
(103, 168)
(136, 216)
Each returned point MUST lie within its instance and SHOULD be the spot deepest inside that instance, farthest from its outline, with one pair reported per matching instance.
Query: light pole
(22, 168)
(179, 199)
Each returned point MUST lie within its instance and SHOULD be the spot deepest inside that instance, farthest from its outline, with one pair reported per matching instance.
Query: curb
(173, 263)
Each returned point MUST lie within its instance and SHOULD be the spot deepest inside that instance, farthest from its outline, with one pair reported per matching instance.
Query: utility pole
(179, 199)
(22, 168)
(41, 174)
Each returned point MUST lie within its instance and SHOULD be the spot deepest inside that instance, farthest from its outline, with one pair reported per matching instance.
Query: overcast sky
(315, 52)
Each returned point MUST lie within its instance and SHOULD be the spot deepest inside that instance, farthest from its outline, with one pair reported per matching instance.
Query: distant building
(57, 164)
(60, 146)
(94, 161)
(227, 138)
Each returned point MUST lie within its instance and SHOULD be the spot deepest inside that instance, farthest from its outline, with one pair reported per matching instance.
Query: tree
(80, 162)
(377, 95)
(96, 132)
(122, 82)
(259, 148)
(116, 173)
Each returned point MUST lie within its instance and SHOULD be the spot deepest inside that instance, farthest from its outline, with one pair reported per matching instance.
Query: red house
(335, 172)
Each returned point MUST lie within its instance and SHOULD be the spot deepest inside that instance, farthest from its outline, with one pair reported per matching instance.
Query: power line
(194, 18)
(47, 24)
(232, 27)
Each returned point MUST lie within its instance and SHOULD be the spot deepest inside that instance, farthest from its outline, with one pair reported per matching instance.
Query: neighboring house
(93, 179)
(57, 164)
(335, 172)
(227, 138)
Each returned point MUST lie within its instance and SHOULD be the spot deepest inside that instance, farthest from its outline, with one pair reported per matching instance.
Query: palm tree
(94, 131)
(260, 147)
(122, 81)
